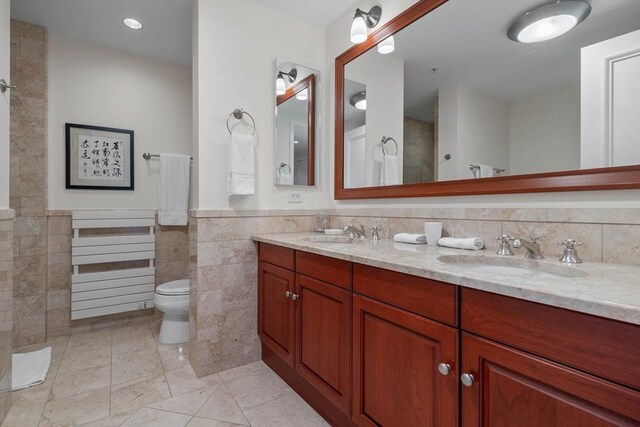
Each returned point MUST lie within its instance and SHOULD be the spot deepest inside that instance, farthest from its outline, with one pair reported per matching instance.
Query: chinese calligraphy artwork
(99, 158)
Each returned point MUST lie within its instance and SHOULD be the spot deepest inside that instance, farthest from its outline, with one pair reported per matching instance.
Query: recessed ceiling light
(134, 24)
(359, 100)
(295, 142)
(549, 21)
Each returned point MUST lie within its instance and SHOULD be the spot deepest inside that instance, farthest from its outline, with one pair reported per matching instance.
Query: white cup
(433, 231)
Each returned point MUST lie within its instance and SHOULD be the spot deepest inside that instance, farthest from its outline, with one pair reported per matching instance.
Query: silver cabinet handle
(295, 296)
(4, 86)
(288, 294)
(467, 379)
(444, 368)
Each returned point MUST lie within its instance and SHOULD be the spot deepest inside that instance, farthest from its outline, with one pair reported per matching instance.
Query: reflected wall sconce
(549, 21)
(303, 95)
(387, 45)
(281, 86)
(363, 20)
(359, 100)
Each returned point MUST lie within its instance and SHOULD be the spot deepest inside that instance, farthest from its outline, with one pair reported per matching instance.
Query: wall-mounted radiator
(114, 291)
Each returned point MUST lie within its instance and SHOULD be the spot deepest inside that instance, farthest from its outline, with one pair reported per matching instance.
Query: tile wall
(6, 309)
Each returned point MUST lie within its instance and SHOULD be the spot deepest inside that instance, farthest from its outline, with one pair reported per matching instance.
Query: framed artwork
(99, 158)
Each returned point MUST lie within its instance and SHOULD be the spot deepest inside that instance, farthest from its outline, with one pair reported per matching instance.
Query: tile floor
(124, 377)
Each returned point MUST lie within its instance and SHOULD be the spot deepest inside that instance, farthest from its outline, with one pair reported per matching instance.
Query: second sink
(510, 266)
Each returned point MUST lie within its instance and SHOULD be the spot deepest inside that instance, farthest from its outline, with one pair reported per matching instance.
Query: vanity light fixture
(132, 23)
(549, 21)
(281, 86)
(303, 95)
(363, 20)
(387, 45)
(359, 100)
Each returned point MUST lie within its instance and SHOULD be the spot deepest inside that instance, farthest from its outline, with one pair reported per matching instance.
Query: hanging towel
(416, 239)
(284, 177)
(389, 170)
(485, 171)
(472, 243)
(241, 178)
(174, 189)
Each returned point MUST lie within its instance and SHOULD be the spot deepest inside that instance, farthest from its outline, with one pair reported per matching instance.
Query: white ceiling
(319, 12)
(166, 33)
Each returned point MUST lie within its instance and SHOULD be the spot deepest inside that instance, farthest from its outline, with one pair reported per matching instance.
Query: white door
(610, 102)
(5, 47)
(354, 158)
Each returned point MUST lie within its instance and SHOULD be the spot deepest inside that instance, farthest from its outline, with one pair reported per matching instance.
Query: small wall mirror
(296, 124)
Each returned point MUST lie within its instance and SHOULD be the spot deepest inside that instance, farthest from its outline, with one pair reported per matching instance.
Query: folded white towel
(471, 243)
(389, 174)
(416, 239)
(173, 197)
(241, 179)
(486, 171)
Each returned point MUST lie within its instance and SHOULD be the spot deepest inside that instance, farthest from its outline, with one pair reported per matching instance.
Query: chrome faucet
(375, 233)
(532, 247)
(504, 249)
(354, 232)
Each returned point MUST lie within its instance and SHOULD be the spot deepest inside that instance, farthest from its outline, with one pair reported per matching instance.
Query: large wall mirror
(296, 124)
(442, 101)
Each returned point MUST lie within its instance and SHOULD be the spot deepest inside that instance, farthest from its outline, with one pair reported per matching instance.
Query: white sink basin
(331, 239)
(511, 266)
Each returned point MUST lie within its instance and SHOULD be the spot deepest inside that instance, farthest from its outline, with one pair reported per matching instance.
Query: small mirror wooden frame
(309, 84)
(608, 178)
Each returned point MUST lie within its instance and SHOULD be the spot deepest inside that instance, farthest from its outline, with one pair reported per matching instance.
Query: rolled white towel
(416, 239)
(471, 243)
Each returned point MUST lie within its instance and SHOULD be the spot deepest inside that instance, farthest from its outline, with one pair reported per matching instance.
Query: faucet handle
(505, 238)
(504, 249)
(375, 232)
(535, 239)
(570, 243)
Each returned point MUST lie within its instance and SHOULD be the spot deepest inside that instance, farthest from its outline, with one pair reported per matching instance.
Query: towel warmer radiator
(114, 291)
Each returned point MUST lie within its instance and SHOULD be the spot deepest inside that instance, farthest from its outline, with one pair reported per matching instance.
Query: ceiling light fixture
(281, 86)
(363, 20)
(359, 100)
(134, 24)
(303, 95)
(549, 21)
(387, 45)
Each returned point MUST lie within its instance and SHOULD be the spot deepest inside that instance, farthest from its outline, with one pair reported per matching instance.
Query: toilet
(172, 298)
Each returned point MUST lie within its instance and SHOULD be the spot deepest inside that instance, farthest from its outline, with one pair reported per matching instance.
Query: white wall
(545, 132)
(4, 103)
(337, 41)
(237, 44)
(96, 85)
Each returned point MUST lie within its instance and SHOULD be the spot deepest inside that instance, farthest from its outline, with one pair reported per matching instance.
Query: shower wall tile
(6, 309)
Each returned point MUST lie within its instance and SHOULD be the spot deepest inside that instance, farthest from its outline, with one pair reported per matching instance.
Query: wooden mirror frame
(308, 83)
(609, 178)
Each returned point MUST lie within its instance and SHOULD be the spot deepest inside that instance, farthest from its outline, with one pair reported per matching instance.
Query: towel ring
(283, 165)
(238, 113)
(386, 139)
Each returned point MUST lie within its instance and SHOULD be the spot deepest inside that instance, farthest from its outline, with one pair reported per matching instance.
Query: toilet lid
(175, 287)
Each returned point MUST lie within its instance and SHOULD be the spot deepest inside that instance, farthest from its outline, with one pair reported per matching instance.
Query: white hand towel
(241, 178)
(284, 178)
(173, 189)
(389, 174)
(472, 243)
(416, 239)
(486, 171)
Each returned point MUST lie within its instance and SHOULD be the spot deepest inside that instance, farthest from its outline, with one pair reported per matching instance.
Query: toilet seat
(174, 288)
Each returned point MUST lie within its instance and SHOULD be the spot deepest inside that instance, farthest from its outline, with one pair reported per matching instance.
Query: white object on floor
(241, 178)
(433, 231)
(173, 189)
(416, 239)
(471, 243)
(30, 369)
(172, 298)
(389, 174)
(334, 231)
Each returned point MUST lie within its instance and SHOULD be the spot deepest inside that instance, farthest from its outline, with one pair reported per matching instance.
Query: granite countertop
(607, 290)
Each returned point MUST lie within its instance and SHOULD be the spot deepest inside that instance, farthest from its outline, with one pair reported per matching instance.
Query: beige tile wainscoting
(6, 308)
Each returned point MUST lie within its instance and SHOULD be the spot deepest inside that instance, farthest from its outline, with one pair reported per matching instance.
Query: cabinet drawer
(603, 347)
(277, 255)
(426, 297)
(330, 270)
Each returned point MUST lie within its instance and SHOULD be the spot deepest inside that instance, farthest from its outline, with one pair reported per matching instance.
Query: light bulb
(361, 105)
(547, 28)
(281, 88)
(358, 30)
(387, 45)
(134, 24)
(302, 95)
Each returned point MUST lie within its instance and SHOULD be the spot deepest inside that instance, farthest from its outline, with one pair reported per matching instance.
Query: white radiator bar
(114, 291)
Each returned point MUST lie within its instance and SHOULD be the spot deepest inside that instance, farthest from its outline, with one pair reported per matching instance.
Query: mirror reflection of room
(463, 100)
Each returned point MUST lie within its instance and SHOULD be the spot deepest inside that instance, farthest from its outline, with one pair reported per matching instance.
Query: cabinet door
(276, 310)
(396, 381)
(323, 338)
(513, 388)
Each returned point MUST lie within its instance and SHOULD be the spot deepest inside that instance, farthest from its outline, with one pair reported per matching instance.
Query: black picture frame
(102, 182)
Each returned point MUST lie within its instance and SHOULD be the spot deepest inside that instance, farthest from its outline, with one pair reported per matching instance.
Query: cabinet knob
(288, 294)
(444, 368)
(467, 379)
(295, 296)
